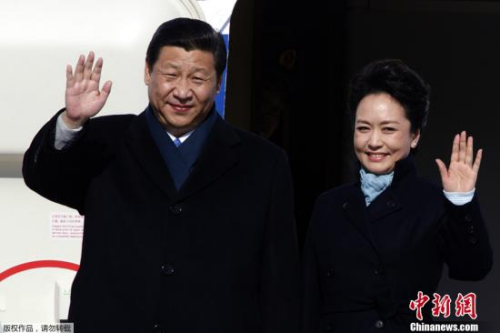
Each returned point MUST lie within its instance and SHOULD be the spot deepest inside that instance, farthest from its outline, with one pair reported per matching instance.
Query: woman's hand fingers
(462, 147)
(469, 154)
(442, 170)
(477, 162)
(454, 149)
(461, 174)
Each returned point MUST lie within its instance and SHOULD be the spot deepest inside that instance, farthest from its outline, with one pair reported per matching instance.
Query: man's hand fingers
(106, 89)
(79, 68)
(96, 73)
(83, 97)
(89, 63)
(70, 79)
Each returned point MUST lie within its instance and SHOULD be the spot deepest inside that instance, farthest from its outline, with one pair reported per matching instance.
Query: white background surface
(39, 37)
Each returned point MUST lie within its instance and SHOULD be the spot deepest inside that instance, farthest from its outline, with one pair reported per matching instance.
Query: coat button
(378, 271)
(468, 217)
(329, 327)
(471, 229)
(379, 324)
(391, 204)
(157, 328)
(330, 273)
(345, 205)
(175, 209)
(167, 269)
(473, 240)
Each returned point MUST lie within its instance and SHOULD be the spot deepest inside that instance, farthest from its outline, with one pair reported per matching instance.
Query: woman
(373, 245)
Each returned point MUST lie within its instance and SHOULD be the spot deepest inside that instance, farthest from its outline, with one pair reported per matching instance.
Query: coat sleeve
(310, 285)
(468, 252)
(63, 176)
(280, 263)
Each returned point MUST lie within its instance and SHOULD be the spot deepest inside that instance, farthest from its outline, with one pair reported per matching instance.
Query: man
(194, 238)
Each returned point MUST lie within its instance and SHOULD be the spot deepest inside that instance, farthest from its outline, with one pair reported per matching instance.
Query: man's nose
(183, 90)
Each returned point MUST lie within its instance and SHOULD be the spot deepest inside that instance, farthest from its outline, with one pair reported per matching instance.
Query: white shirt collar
(181, 138)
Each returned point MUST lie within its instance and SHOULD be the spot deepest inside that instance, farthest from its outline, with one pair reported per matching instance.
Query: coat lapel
(219, 155)
(143, 147)
(388, 202)
(385, 204)
(356, 212)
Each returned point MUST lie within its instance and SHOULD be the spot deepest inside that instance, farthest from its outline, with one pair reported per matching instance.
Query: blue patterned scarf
(372, 185)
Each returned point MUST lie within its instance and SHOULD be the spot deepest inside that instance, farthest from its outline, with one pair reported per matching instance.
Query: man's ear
(147, 74)
(219, 84)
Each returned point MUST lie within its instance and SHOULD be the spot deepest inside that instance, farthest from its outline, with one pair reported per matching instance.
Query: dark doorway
(299, 57)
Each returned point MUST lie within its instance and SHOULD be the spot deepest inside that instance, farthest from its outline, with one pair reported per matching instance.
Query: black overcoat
(219, 255)
(363, 265)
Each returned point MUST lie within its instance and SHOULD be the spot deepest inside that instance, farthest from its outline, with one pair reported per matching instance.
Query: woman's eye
(389, 129)
(362, 129)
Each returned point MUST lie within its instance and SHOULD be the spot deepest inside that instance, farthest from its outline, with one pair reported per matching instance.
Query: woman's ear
(415, 138)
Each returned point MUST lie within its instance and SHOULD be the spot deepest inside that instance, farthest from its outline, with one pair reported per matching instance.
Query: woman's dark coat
(363, 265)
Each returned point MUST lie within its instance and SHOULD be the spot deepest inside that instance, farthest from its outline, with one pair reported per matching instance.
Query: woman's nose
(375, 140)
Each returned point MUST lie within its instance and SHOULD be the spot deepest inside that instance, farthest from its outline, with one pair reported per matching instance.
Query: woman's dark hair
(190, 35)
(400, 82)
